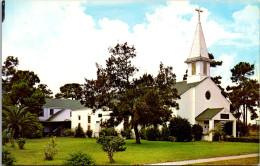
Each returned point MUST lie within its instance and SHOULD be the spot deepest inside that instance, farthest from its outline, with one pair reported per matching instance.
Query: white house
(90, 119)
(201, 99)
(56, 114)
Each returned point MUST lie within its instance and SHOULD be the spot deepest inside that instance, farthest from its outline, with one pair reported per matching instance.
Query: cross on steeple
(198, 10)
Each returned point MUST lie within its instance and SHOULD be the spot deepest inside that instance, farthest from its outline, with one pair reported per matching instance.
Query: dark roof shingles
(208, 114)
(63, 104)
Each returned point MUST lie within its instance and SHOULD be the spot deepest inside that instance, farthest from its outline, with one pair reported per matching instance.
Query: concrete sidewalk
(207, 160)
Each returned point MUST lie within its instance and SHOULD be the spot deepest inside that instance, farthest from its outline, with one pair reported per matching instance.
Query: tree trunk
(137, 139)
(126, 123)
(110, 156)
(246, 115)
(244, 110)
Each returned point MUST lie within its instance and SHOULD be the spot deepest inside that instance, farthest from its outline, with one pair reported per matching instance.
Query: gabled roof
(208, 114)
(183, 86)
(62, 103)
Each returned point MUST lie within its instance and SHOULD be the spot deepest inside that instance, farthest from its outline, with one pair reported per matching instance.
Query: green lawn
(147, 152)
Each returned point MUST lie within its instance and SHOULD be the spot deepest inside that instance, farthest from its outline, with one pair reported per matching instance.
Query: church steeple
(198, 61)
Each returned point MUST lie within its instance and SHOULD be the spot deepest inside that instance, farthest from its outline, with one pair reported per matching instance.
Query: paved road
(207, 160)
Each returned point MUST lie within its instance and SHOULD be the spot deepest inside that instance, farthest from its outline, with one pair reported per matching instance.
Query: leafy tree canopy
(70, 91)
(19, 87)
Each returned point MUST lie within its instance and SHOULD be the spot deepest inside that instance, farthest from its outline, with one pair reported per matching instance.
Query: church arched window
(207, 95)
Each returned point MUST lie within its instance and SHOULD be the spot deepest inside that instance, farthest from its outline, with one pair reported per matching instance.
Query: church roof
(199, 48)
(62, 103)
(208, 114)
(183, 86)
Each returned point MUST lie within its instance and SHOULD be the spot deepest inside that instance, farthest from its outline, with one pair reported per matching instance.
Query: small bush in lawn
(79, 158)
(111, 144)
(165, 134)
(127, 133)
(68, 132)
(5, 138)
(108, 132)
(79, 133)
(51, 149)
(152, 134)
(243, 129)
(7, 158)
(89, 133)
(21, 143)
(180, 128)
(197, 132)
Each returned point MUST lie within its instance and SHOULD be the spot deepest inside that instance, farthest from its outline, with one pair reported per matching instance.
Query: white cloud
(224, 69)
(60, 43)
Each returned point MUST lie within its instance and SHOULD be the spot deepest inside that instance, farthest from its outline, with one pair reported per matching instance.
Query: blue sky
(62, 40)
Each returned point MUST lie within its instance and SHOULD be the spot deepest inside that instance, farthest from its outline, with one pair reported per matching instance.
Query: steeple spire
(199, 48)
(198, 61)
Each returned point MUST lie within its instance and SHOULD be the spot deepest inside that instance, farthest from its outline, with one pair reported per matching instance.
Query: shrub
(111, 144)
(36, 134)
(254, 140)
(51, 149)
(5, 138)
(219, 134)
(68, 132)
(21, 143)
(79, 158)
(152, 134)
(243, 129)
(79, 133)
(127, 133)
(108, 132)
(12, 142)
(180, 128)
(197, 132)
(89, 133)
(7, 158)
(142, 133)
(165, 134)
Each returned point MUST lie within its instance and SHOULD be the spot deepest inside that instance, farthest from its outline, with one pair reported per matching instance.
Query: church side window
(193, 68)
(204, 68)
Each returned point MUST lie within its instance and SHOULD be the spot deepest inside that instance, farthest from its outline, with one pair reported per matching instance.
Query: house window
(79, 117)
(193, 68)
(207, 95)
(224, 116)
(89, 128)
(89, 119)
(100, 115)
(70, 113)
(206, 122)
(51, 112)
(204, 68)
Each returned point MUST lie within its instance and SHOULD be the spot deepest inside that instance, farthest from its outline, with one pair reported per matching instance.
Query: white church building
(201, 99)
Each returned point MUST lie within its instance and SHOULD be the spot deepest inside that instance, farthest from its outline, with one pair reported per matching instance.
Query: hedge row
(243, 140)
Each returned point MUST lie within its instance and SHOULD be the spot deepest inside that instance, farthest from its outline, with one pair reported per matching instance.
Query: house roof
(208, 114)
(183, 86)
(62, 103)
